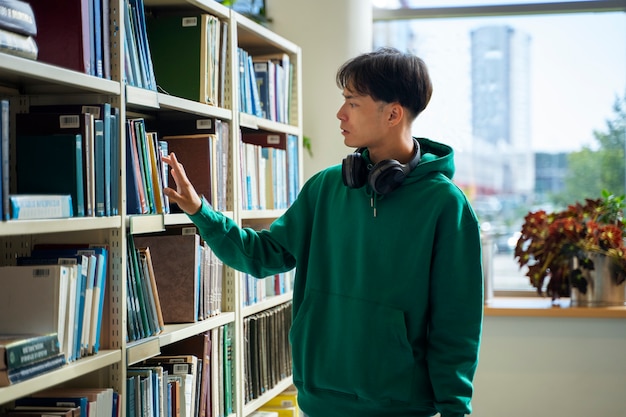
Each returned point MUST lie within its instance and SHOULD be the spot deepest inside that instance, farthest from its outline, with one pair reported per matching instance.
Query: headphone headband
(383, 177)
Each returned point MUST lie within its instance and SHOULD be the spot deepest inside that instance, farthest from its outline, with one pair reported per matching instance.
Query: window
(517, 88)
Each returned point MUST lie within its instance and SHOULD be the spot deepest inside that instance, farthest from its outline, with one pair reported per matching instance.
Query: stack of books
(17, 29)
(23, 356)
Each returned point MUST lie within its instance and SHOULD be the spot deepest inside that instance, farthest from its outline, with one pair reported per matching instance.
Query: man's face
(363, 121)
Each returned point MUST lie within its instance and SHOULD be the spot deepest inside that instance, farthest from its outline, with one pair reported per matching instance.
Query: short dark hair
(388, 75)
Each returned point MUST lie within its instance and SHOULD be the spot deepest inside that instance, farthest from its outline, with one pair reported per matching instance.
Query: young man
(388, 294)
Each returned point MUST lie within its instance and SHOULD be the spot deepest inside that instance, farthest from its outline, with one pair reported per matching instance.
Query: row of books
(256, 290)
(160, 44)
(267, 356)
(270, 177)
(180, 383)
(201, 144)
(57, 293)
(172, 278)
(146, 173)
(72, 147)
(18, 29)
(61, 288)
(138, 69)
(265, 85)
(72, 34)
(68, 402)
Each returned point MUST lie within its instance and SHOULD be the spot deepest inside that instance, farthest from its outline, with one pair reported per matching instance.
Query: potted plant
(559, 247)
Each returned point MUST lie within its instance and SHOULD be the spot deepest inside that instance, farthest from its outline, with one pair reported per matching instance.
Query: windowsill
(543, 307)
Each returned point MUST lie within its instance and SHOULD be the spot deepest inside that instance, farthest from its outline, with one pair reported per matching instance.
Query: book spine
(29, 371)
(40, 206)
(31, 350)
(4, 160)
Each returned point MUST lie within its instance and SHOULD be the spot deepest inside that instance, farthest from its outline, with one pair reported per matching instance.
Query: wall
(329, 33)
(547, 367)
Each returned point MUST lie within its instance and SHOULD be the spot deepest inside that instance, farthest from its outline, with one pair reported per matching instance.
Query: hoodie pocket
(352, 346)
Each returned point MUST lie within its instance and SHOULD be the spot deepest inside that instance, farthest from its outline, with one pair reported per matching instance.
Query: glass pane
(514, 95)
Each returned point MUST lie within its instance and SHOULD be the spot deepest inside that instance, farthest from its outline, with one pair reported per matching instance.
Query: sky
(577, 70)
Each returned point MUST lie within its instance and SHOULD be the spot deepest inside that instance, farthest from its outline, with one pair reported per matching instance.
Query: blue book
(97, 38)
(100, 290)
(293, 169)
(81, 288)
(4, 159)
(115, 161)
(261, 72)
(99, 166)
(108, 158)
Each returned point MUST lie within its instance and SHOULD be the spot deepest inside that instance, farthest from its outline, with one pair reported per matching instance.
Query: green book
(17, 350)
(178, 45)
(51, 164)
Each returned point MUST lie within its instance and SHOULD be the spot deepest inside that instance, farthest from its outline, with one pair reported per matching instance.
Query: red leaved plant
(550, 241)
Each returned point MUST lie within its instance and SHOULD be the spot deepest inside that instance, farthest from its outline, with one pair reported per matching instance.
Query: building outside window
(519, 90)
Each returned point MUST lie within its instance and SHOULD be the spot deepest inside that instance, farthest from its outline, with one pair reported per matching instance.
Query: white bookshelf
(27, 82)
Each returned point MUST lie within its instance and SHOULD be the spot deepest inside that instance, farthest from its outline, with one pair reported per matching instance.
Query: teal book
(99, 150)
(179, 54)
(51, 164)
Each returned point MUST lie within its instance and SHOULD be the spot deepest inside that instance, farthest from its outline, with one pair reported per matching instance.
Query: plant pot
(603, 283)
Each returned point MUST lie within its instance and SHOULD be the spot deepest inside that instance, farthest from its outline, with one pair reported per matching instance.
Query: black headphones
(384, 177)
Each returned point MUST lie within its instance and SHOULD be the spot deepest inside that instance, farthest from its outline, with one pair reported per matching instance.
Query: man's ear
(396, 114)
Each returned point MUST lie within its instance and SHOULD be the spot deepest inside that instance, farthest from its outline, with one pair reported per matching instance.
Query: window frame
(498, 10)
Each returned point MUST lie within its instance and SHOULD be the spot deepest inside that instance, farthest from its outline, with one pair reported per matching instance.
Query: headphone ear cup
(354, 171)
(386, 176)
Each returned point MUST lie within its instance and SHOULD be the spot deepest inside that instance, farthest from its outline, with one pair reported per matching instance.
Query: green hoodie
(388, 294)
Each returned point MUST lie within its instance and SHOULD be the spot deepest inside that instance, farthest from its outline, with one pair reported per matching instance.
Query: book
(99, 151)
(40, 411)
(17, 16)
(4, 158)
(99, 400)
(198, 155)
(63, 34)
(198, 345)
(40, 206)
(175, 260)
(17, 350)
(182, 125)
(15, 375)
(56, 157)
(14, 43)
(185, 43)
(146, 260)
(81, 403)
(35, 296)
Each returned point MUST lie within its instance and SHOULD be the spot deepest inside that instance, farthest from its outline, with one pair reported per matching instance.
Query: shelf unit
(26, 82)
